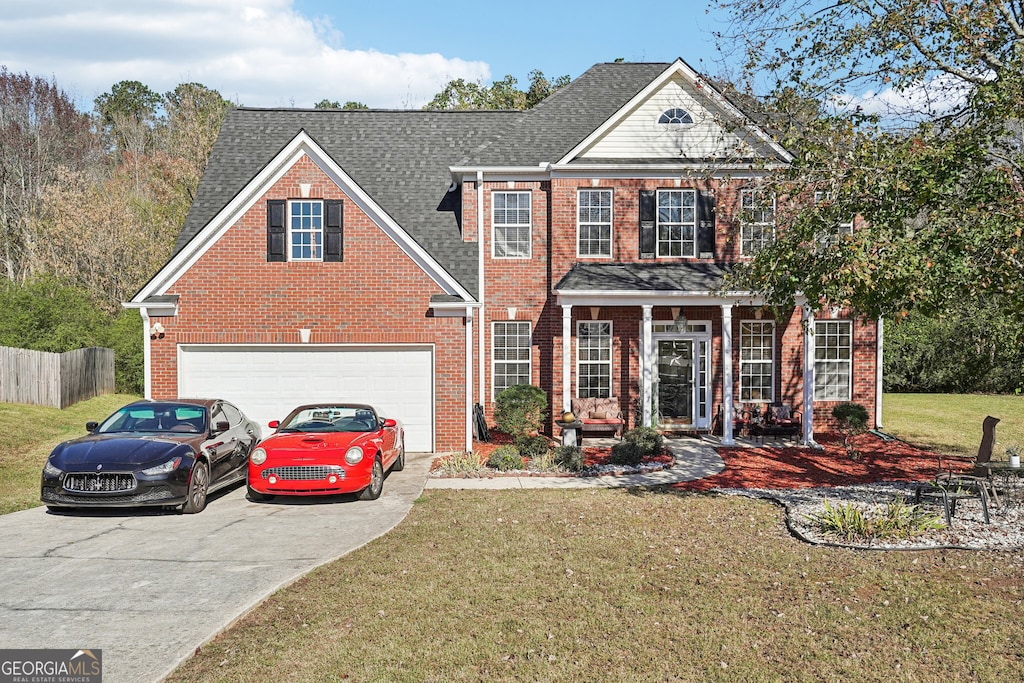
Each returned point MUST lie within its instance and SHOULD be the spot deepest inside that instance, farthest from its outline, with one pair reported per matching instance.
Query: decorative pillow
(599, 415)
(783, 413)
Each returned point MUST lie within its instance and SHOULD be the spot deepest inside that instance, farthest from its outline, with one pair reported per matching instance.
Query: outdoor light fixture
(157, 331)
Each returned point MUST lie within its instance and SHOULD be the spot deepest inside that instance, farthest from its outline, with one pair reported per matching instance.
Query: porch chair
(781, 420)
(978, 474)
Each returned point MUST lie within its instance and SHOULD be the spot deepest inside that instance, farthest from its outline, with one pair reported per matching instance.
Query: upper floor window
(838, 231)
(833, 360)
(757, 221)
(675, 115)
(511, 221)
(594, 223)
(305, 230)
(677, 222)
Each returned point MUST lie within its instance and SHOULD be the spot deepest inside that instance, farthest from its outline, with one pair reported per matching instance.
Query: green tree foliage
(503, 94)
(935, 181)
(334, 104)
(43, 314)
(128, 114)
(519, 410)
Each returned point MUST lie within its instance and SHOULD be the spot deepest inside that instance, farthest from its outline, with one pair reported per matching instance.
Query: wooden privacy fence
(55, 379)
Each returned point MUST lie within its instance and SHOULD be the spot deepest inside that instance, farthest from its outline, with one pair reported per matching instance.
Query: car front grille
(153, 494)
(304, 473)
(99, 482)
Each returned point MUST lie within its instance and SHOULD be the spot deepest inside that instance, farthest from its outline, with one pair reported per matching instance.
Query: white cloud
(938, 95)
(256, 52)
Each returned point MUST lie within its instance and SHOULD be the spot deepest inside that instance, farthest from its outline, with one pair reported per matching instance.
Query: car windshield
(331, 419)
(152, 418)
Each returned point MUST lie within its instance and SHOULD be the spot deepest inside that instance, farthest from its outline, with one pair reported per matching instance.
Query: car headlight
(51, 471)
(258, 456)
(354, 455)
(168, 466)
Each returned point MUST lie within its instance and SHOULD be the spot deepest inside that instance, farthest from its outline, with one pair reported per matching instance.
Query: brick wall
(231, 295)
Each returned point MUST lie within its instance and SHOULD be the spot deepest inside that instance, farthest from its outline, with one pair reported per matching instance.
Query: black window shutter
(334, 213)
(648, 241)
(276, 238)
(706, 224)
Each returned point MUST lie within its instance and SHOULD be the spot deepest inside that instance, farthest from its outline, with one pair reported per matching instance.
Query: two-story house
(422, 261)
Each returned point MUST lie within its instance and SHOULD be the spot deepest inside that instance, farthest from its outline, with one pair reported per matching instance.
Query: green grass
(30, 433)
(952, 423)
(613, 585)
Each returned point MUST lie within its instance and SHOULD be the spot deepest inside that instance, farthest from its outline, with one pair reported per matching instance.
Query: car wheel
(372, 492)
(399, 463)
(255, 496)
(197, 488)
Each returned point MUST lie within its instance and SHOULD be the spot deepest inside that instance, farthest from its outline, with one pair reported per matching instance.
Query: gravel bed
(968, 530)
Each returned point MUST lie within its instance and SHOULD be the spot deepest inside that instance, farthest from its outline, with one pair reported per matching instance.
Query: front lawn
(951, 423)
(625, 585)
(30, 433)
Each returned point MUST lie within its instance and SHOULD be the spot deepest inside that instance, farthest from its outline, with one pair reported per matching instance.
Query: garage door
(266, 382)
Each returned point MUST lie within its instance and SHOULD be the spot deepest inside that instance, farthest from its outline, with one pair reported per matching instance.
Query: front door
(675, 380)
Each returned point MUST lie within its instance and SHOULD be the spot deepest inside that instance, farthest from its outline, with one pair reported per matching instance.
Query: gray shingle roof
(644, 277)
(402, 158)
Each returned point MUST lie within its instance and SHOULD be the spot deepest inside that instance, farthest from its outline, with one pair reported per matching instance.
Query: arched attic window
(675, 115)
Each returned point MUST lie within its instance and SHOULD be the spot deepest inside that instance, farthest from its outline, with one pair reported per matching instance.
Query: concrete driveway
(149, 587)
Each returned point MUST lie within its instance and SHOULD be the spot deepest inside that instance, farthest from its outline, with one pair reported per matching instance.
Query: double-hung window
(838, 231)
(511, 221)
(757, 222)
(306, 230)
(757, 361)
(594, 223)
(677, 222)
(833, 353)
(593, 359)
(511, 354)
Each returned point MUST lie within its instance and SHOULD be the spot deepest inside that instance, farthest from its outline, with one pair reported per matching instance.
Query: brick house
(422, 261)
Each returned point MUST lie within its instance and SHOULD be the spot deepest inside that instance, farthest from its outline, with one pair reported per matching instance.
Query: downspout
(469, 380)
(147, 363)
(480, 281)
(879, 353)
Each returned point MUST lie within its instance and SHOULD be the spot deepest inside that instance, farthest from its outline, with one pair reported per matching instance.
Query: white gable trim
(679, 67)
(302, 145)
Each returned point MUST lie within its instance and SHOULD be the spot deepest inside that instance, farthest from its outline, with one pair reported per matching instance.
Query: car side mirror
(274, 424)
(221, 427)
(91, 426)
(390, 423)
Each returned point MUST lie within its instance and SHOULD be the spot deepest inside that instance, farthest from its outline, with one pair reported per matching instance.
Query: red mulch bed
(795, 468)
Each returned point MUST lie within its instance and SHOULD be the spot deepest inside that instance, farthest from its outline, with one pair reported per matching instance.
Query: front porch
(675, 334)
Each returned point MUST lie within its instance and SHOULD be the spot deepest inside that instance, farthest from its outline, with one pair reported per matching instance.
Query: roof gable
(718, 131)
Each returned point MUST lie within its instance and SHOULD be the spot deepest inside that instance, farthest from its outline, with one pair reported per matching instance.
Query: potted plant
(1013, 455)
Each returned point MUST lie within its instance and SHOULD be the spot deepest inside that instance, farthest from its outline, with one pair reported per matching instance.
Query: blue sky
(388, 53)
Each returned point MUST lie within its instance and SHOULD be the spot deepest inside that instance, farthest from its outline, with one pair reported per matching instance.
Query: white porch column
(647, 365)
(566, 357)
(808, 323)
(469, 380)
(727, 386)
(878, 375)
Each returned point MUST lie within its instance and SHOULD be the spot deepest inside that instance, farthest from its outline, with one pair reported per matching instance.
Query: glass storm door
(675, 379)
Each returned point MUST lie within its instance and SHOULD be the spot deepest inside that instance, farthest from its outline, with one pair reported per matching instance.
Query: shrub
(543, 462)
(532, 446)
(626, 453)
(465, 462)
(853, 420)
(569, 458)
(520, 410)
(505, 458)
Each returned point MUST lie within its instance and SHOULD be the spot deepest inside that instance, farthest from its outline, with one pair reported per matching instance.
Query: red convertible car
(327, 448)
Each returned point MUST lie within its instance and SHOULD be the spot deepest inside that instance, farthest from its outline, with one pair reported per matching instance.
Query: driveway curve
(149, 587)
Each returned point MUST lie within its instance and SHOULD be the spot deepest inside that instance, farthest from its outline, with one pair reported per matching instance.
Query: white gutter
(147, 363)
(469, 380)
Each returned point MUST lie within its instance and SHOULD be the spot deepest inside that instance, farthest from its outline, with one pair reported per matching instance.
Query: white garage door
(266, 382)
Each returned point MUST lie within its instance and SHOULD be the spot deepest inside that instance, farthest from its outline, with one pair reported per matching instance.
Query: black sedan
(156, 453)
